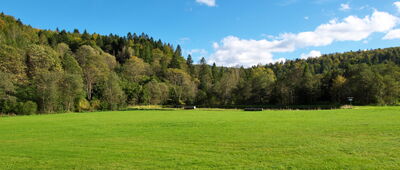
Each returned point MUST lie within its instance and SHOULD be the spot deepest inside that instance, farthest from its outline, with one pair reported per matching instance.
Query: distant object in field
(189, 107)
(346, 107)
(253, 109)
(350, 99)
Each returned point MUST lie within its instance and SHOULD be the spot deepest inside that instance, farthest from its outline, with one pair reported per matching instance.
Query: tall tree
(227, 85)
(175, 61)
(262, 82)
(158, 92)
(136, 70)
(205, 75)
(112, 95)
(94, 67)
(71, 91)
(189, 63)
(7, 91)
(47, 91)
(338, 89)
(183, 88)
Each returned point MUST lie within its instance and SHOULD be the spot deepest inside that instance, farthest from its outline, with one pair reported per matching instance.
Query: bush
(95, 105)
(83, 105)
(8, 106)
(26, 108)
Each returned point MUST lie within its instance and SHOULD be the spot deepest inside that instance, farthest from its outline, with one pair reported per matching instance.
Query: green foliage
(9, 106)
(177, 59)
(205, 75)
(8, 101)
(157, 92)
(113, 97)
(14, 33)
(95, 67)
(7, 87)
(12, 60)
(47, 90)
(27, 108)
(189, 63)
(262, 81)
(42, 59)
(175, 63)
(95, 104)
(65, 71)
(338, 91)
(136, 70)
(83, 105)
(133, 92)
(226, 86)
(68, 61)
(71, 90)
(183, 89)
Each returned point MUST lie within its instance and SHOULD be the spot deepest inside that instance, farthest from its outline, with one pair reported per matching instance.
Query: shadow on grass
(148, 109)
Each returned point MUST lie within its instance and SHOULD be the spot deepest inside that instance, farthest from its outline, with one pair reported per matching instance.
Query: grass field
(362, 138)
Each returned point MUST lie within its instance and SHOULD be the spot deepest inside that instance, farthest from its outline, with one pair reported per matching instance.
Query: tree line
(46, 71)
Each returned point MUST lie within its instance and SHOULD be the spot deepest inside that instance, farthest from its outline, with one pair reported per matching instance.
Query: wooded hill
(45, 71)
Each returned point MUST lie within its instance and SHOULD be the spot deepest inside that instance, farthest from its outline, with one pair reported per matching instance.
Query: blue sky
(228, 32)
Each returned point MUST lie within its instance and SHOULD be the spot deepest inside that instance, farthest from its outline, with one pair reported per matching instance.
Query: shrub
(95, 104)
(8, 106)
(83, 105)
(27, 108)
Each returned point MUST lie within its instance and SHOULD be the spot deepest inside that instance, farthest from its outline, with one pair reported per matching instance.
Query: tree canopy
(45, 71)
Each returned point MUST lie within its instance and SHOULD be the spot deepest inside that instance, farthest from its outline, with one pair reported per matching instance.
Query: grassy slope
(361, 138)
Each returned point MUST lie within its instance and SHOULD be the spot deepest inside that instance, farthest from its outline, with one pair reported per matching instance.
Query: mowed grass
(362, 138)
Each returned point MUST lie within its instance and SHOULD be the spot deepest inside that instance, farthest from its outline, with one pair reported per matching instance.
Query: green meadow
(360, 138)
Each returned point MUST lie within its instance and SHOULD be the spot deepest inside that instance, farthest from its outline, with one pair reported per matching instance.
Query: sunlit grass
(361, 138)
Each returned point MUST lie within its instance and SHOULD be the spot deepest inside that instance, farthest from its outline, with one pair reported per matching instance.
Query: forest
(53, 71)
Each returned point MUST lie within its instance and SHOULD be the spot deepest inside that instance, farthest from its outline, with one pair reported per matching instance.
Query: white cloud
(210, 3)
(232, 51)
(268, 36)
(393, 34)
(345, 7)
(397, 4)
(306, 18)
(311, 54)
(364, 7)
(197, 51)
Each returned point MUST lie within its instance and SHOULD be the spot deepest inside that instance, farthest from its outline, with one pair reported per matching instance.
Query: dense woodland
(45, 71)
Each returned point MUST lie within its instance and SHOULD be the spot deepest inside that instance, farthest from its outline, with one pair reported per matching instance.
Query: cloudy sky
(229, 32)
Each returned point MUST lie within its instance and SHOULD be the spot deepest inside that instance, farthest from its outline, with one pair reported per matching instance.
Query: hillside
(46, 71)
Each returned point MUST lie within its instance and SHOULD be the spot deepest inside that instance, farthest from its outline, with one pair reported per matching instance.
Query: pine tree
(175, 63)
(214, 72)
(178, 51)
(85, 35)
(205, 75)
(189, 63)
(189, 60)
